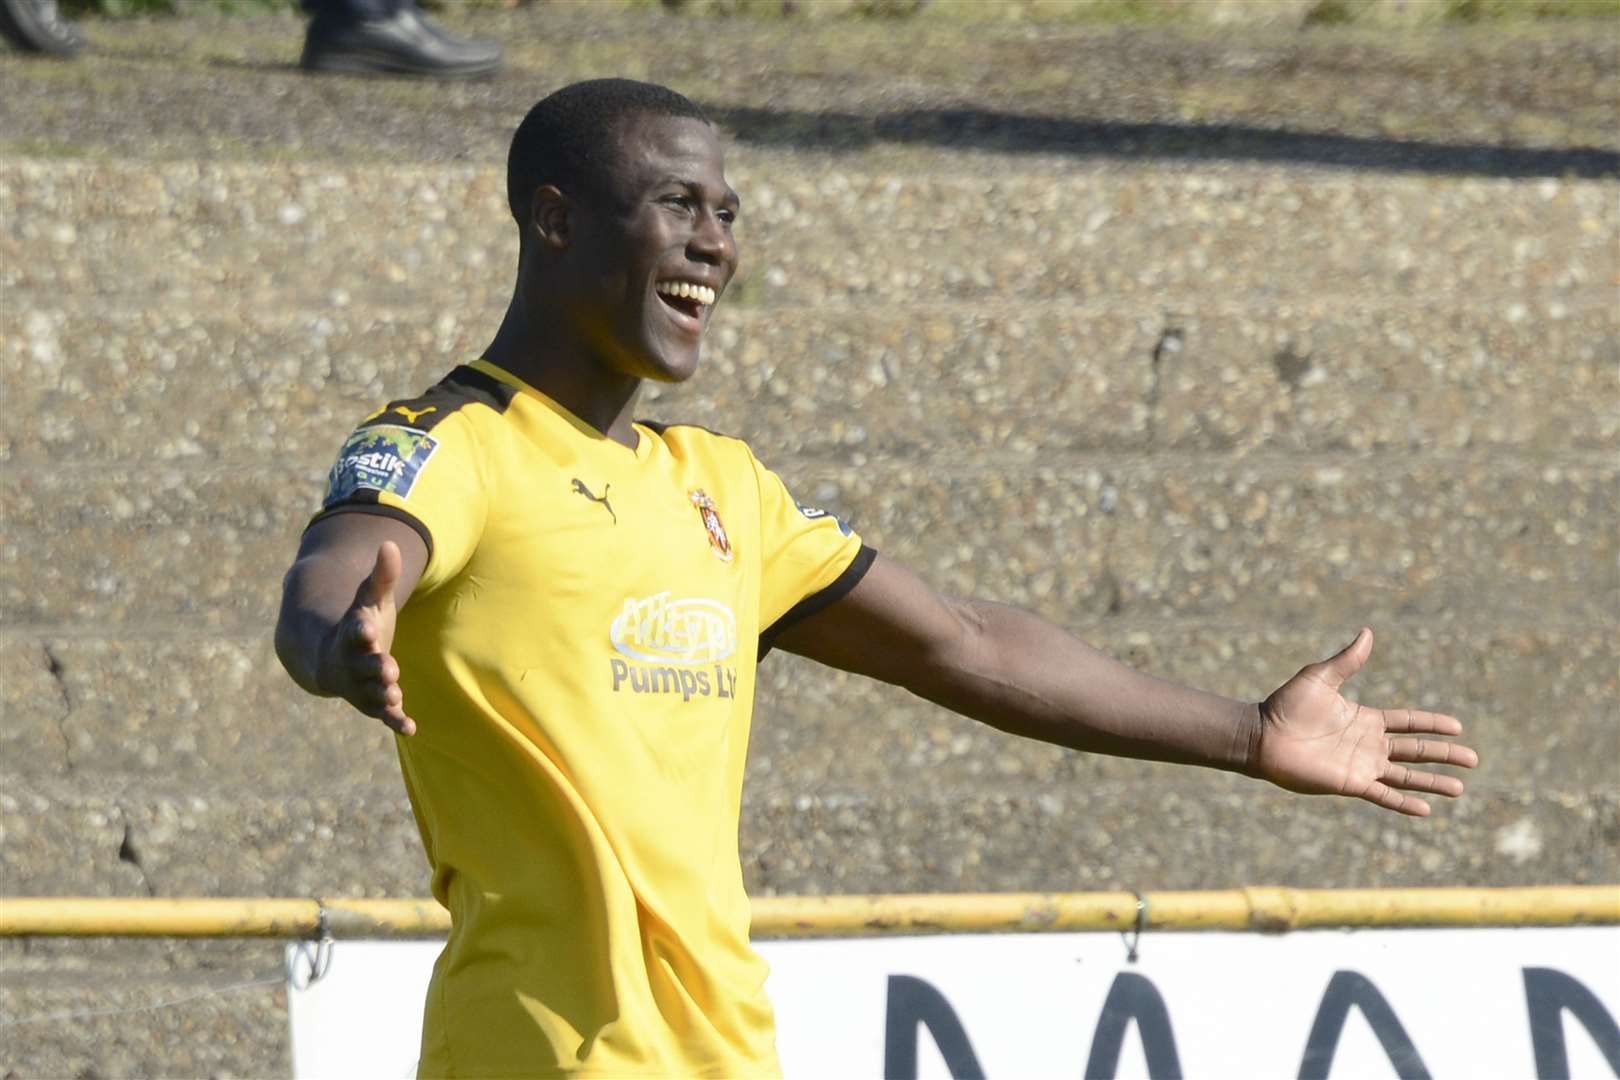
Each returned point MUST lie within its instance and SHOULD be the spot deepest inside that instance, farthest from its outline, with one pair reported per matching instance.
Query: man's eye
(681, 202)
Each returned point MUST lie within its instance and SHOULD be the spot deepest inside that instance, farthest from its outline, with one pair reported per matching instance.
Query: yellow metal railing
(1260, 908)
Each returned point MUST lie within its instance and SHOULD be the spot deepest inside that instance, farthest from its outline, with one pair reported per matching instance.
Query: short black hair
(566, 139)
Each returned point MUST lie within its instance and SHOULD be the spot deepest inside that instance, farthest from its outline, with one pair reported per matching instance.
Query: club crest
(719, 542)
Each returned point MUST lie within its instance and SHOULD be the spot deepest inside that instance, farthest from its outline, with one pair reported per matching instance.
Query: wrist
(1247, 734)
(321, 671)
(308, 653)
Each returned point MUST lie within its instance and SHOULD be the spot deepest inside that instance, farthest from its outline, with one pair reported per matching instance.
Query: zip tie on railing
(1132, 942)
(316, 955)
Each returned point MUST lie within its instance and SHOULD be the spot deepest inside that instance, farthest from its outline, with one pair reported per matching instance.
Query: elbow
(284, 647)
(972, 625)
(285, 636)
(960, 655)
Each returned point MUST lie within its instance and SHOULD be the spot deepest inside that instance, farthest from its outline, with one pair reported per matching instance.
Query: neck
(531, 347)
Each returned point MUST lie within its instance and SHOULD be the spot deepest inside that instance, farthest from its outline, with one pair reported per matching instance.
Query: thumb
(379, 584)
(1349, 660)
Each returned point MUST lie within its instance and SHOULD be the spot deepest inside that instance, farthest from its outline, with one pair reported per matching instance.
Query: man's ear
(551, 217)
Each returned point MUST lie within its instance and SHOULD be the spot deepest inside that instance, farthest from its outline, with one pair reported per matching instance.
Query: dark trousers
(354, 10)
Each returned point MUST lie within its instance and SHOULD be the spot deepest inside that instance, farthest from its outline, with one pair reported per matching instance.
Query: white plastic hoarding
(1515, 1004)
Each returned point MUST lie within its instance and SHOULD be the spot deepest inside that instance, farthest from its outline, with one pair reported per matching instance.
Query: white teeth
(686, 290)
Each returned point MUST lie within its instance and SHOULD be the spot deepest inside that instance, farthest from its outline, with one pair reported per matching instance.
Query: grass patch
(133, 9)
(1294, 12)
(58, 149)
(1393, 12)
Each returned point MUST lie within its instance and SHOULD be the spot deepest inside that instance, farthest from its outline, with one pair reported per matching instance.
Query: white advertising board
(1516, 1004)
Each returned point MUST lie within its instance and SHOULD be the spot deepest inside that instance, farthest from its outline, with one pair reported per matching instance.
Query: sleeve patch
(385, 458)
(815, 514)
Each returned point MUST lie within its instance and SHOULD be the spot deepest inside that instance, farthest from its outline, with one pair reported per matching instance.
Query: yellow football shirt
(579, 656)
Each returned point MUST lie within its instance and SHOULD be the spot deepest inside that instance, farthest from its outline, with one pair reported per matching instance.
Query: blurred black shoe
(37, 26)
(403, 44)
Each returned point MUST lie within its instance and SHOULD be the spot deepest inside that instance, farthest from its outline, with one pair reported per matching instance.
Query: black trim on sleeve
(659, 427)
(471, 384)
(359, 504)
(465, 385)
(857, 568)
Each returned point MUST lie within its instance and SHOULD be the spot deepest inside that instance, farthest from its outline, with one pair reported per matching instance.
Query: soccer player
(560, 611)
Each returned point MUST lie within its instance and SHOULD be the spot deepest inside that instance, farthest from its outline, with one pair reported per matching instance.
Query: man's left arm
(1020, 674)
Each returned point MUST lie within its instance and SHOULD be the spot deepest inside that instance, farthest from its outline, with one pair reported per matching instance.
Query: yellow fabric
(582, 676)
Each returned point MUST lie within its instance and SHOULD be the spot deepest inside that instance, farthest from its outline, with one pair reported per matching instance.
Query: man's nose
(712, 242)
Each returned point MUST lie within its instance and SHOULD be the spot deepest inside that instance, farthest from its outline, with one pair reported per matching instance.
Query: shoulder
(693, 440)
(389, 449)
(674, 430)
(465, 391)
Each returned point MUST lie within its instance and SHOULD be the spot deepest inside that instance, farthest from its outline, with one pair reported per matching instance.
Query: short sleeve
(428, 477)
(809, 557)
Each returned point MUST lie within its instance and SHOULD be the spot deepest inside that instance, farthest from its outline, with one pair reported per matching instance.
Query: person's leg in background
(38, 26)
(388, 37)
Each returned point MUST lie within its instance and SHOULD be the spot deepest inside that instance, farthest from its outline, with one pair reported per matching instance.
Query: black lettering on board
(1547, 994)
(1133, 997)
(1345, 989)
(915, 1004)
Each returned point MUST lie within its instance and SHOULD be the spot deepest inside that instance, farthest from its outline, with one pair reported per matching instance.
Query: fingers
(383, 699)
(374, 666)
(1434, 751)
(375, 697)
(1390, 799)
(396, 719)
(1409, 720)
(370, 682)
(394, 716)
(363, 634)
(1337, 668)
(1407, 778)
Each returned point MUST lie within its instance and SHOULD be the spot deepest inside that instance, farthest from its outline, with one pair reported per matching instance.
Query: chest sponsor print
(665, 630)
(385, 458)
(670, 645)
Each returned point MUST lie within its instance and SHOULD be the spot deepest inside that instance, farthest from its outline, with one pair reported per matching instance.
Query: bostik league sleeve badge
(383, 458)
(719, 542)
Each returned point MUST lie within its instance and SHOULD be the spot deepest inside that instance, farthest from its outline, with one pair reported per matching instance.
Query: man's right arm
(339, 602)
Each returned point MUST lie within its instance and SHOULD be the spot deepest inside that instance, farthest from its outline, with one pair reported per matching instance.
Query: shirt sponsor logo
(663, 630)
(682, 645)
(719, 682)
(815, 514)
(385, 458)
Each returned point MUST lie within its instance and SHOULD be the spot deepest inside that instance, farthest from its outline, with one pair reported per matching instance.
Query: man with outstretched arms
(560, 611)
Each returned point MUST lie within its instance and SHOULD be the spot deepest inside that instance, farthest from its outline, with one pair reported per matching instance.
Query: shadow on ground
(1020, 133)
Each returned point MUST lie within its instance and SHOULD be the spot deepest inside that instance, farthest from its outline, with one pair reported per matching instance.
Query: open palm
(355, 659)
(1314, 741)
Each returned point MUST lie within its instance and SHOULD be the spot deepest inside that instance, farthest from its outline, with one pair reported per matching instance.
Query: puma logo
(410, 415)
(580, 488)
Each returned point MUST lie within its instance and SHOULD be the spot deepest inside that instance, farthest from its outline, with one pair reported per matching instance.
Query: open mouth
(690, 308)
(686, 298)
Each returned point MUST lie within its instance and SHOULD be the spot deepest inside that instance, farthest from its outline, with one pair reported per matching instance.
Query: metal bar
(72, 916)
(1260, 908)
(1267, 909)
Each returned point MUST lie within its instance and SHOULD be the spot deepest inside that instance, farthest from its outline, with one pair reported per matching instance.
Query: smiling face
(650, 256)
